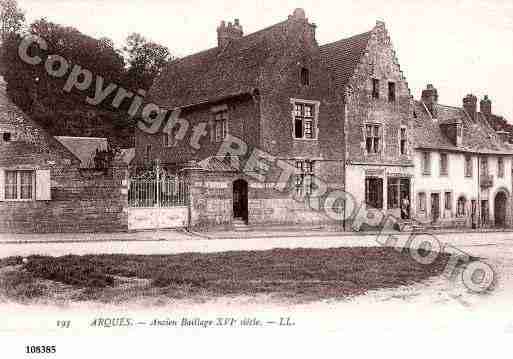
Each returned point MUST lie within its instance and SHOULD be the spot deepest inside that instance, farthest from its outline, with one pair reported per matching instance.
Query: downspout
(478, 204)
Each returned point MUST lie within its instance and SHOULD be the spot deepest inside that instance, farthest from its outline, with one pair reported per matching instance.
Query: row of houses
(340, 114)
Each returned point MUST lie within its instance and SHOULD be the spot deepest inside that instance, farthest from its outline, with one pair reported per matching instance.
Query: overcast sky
(461, 46)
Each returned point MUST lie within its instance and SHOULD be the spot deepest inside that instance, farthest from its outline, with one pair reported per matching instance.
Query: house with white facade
(463, 167)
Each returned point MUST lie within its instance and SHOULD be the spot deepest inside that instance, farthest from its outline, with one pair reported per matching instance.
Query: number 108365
(40, 349)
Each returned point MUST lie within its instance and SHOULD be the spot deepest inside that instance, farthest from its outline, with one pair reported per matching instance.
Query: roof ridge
(177, 61)
(345, 39)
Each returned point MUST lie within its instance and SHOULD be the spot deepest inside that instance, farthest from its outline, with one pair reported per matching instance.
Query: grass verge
(311, 274)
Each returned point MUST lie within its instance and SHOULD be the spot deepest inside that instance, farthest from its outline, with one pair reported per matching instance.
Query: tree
(145, 60)
(12, 18)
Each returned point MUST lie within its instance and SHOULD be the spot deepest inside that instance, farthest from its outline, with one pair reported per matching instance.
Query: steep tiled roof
(216, 164)
(478, 135)
(342, 57)
(84, 148)
(218, 72)
(29, 136)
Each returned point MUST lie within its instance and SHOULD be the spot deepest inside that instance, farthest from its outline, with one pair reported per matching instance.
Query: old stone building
(44, 187)
(273, 92)
(463, 167)
(340, 112)
(379, 166)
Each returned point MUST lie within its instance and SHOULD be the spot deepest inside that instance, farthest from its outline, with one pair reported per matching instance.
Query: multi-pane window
(375, 88)
(304, 115)
(448, 201)
(426, 163)
(373, 139)
(484, 166)
(444, 164)
(404, 141)
(304, 177)
(374, 192)
(19, 185)
(305, 77)
(220, 125)
(468, 166)
(422, 202)
(391, 91)
(500, 167)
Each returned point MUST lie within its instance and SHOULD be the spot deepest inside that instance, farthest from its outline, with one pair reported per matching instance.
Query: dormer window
(305, 77)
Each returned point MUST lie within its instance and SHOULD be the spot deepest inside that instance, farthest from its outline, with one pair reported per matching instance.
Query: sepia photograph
(240, 179)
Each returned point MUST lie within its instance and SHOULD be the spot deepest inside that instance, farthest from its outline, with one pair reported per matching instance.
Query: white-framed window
(373, 139)
(304, 121)
(469, 168)
(220, 125)
(500, 167)
(19, 185)
(444, 164)
(426, 163)
(304, 177)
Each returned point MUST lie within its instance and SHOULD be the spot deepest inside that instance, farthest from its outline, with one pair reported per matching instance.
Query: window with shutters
(19, 185)
(374, 192)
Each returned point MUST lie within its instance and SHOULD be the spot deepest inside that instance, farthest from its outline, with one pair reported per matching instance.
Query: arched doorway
(240, 200)
(500, 209)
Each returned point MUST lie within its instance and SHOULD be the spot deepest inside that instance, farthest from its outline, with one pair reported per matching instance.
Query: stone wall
(80, 202)
(212, 202)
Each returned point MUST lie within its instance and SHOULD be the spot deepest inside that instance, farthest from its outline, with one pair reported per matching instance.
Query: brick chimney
(430, 99)
(486, 106)
(470, 105)
(230, 32)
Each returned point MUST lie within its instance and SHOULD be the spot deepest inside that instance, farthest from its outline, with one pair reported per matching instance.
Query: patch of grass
(10, 261)
(20, 285)
(72, 270)
(306, 273)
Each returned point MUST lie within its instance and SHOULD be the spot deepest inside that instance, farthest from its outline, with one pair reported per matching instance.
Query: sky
(460, 46)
